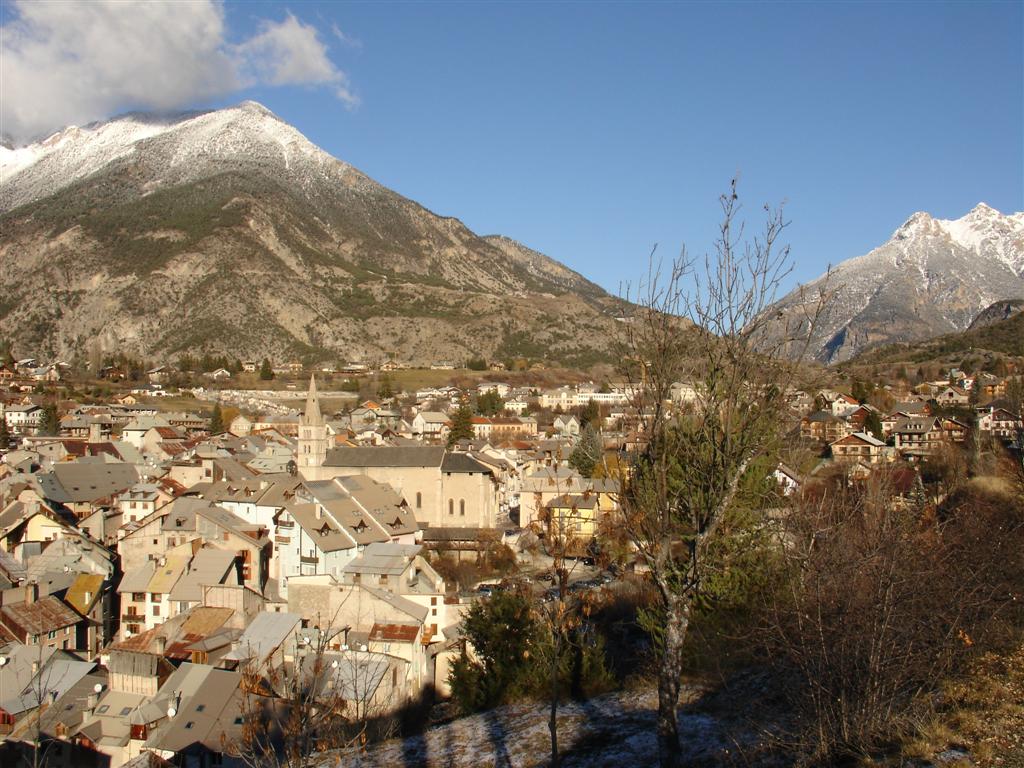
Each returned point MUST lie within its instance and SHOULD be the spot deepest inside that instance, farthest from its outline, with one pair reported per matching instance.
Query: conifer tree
(462, 425)
(216, 420)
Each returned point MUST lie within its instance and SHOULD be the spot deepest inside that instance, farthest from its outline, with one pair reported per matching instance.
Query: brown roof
(44, 615)
(395, 633)
(86, 584)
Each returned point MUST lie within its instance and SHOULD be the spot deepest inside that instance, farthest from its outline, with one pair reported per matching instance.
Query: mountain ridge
(134, 230)
(931, 277)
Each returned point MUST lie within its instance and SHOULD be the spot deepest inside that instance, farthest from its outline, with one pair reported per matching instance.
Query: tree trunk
(676, 623)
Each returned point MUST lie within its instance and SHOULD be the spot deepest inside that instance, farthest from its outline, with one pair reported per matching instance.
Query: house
(481, 427)
(219, 374)
(999, 422)
(41, 621)
(952, 396)
(823, 426)
(568, 426)
(572, 519)
(788, 479)
(402, 570)
(953, 430)
(842, 405)
(185, 525)
(431, 425)
(543, 486)
(917, 436)
(87, 484)
(329, 522)
(858, 447)
(23, 418)
(90, 595)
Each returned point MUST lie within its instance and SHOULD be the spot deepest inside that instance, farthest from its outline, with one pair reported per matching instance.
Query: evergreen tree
(51, 422)
(385, 389)
(873, 424)
(462, 425)
(266, 372)
(5, 435)
(590, 414)
(501, 630)
(587, 453)
(489, 403)
(216, 420)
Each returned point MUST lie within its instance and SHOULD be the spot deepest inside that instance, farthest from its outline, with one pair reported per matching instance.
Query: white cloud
(65, 63)
(290, 53)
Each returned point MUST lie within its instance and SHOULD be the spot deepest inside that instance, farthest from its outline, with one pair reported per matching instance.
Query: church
(444, 489)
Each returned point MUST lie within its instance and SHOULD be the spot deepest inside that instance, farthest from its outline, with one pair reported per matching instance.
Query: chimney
(91, 702)
(94, 432)
(31, 593)
(161, 644)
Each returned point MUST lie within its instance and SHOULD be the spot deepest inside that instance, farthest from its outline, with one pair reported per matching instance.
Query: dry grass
(983, 712)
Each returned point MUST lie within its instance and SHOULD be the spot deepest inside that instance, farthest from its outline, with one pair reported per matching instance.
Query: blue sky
(593, 131)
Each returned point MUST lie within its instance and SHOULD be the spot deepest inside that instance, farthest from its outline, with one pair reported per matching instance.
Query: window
(139, 597)
(419, 500)
(462, 507)
(156, 610)
(200, 708)
(451, 506)
(188, 725)
(433, 601)
(52, 634)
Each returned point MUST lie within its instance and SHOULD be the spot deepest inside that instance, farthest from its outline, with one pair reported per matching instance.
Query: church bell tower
(313, 440)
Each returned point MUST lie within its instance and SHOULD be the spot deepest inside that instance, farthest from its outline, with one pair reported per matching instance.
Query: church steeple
(312, 416)
(313, 439)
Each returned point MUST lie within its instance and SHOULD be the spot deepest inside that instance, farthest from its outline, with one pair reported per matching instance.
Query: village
(156, 562)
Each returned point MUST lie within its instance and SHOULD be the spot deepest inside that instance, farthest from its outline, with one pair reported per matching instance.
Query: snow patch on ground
(613, 730)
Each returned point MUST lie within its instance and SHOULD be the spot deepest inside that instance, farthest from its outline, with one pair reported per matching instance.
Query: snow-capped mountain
(933, 276)
(177, 148)
(229, 231)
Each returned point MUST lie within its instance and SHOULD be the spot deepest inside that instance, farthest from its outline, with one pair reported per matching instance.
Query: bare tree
(704, 323)
(326, 698)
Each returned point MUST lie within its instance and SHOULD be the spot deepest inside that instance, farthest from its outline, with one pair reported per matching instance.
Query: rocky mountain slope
(229, 232)
(997, 313)
(932, 277)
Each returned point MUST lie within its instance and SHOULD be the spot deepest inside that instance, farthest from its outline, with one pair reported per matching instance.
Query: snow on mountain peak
(188, 143)
(919, 223)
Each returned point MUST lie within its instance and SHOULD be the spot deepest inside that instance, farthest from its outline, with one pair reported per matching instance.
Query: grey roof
(137, 579)
(418, 612)
(264, 635)
(463, 463)
(329, 537)
(60, 673)
(85, 480)
(915, 426)
(210, 565)
(383, 558)
(356, 676)
(386, 456)
(206, 700)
